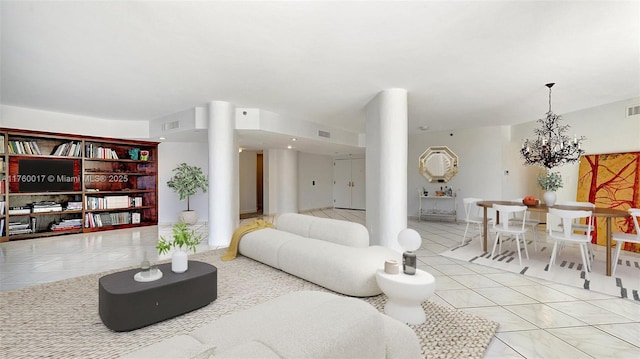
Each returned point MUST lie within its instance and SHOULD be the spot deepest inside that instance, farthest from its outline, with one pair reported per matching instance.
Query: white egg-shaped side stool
(405, 294)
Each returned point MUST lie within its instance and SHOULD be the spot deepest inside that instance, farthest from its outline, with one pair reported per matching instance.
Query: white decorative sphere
(409, 239)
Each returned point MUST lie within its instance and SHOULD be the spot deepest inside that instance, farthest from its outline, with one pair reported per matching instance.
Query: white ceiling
(464, 63)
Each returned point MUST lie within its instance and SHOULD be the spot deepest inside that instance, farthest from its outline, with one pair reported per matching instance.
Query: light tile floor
(538, 319)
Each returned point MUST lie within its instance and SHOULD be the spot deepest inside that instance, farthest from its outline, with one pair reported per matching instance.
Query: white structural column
(223, 170)
(386, 167)
(282, 186)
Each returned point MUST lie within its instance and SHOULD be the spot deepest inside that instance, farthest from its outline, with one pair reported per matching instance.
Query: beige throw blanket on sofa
(232, 251)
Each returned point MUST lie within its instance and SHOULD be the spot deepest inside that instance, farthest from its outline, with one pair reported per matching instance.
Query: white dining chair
(472, 216)
(529, 221)
(504, 227)
(568, 234)
(622, 238)
(586, 205)
(579, 226)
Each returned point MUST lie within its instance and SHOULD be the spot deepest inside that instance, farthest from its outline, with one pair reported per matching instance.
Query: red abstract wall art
(611, 180)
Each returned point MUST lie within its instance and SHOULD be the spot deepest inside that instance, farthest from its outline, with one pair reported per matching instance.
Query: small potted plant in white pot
(184, 239)
(550, 182)
(186, 181)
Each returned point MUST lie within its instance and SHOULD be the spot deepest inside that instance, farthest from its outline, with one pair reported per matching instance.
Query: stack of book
(19, 210)
(19, 228)
(44, 207)
(67, 224)
(113, 202)
(71, 206)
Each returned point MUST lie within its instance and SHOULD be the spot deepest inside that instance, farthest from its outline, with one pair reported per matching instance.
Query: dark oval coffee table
(126, 304)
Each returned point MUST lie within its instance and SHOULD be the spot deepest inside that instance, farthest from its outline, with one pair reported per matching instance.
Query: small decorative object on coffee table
(147, 272)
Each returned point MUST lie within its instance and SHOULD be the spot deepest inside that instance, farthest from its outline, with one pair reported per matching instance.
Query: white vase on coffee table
(179, 261)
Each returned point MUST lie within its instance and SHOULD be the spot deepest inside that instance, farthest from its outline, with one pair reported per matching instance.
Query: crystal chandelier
(553, 147)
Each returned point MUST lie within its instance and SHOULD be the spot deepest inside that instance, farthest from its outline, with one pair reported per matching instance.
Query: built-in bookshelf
(52, 184)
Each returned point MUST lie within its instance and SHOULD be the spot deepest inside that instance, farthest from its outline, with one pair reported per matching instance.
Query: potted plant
(186, 181)
(550, 182)
(184, 239)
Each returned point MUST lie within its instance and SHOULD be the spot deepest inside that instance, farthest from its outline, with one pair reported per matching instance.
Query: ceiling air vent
(170, 125)
(633, 110)
(325, 134)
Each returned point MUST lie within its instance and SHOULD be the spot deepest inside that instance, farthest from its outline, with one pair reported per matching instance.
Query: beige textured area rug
(61, 320)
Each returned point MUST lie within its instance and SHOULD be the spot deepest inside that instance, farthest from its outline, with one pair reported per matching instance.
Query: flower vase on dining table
(549, 198)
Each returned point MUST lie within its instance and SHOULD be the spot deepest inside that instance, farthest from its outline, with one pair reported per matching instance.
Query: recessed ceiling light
(289, 147)
(162, 138)
(240, 149)
(294, 139)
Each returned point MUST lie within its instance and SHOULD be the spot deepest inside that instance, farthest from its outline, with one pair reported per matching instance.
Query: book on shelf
(67, 224)
(74, 206)
(136, 202)
(93, 220)
(1, 151)
(24, 147)
(44, 207)
(94, 151)
(114, 202)
(19, 228)
(108, 202)
(2, 203)
(19, 210)
(68, 149)
(47, 209)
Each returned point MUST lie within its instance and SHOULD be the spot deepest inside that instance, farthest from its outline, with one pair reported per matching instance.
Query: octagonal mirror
(438, 164)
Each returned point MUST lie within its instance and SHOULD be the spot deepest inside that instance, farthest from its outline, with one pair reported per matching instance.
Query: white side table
(406, 294)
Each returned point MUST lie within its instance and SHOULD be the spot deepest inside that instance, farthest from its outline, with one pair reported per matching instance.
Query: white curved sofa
(332, 253)
(303, 324)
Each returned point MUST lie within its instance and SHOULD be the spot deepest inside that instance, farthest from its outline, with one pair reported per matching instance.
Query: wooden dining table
(607, 213)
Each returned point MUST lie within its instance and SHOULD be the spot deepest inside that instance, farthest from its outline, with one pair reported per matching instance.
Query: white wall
(171, 154)
(480, 155)
(316, 169)
(485, 154)
(37, 120)
(315, 181)
(607, 130)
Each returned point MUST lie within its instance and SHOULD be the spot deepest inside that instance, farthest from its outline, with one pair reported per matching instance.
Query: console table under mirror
(438, 207)
(438, 165)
